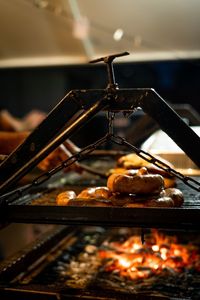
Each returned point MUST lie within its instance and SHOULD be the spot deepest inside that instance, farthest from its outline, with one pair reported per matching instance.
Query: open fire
(159, 253)
(111, 263)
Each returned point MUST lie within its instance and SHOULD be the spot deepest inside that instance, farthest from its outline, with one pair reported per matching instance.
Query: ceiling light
(118, 34)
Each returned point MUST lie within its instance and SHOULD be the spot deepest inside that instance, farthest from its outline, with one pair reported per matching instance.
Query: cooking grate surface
(192, 198)
(40, 207)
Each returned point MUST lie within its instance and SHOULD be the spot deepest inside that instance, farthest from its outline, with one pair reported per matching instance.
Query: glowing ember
(133, 260)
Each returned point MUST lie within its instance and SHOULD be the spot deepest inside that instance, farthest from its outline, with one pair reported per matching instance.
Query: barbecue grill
(35, 202)
(39, 206)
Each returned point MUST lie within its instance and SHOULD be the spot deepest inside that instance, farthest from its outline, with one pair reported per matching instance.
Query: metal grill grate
(44, 211)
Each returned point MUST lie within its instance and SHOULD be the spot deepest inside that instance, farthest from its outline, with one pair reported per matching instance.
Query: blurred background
(46, 45)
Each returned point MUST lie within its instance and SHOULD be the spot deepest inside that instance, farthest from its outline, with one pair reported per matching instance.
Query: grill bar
(108, 216)
(23, 210)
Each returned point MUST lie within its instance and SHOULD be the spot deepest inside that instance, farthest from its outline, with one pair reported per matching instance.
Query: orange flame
(133, 260)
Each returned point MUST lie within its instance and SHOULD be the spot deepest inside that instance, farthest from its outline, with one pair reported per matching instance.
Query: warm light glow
(177, 252)
(118, 34)
(133, 269)
(136, 246)
(163, 252)
(155, 248)
(135, 261)
(124, 263)
(156, 267)
(190, 171)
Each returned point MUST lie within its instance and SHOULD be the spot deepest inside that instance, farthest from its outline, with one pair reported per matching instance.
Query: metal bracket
(78, 107)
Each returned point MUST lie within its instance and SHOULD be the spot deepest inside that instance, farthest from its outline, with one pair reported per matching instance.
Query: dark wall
(27, 88)
(175, 81)
(24, 89)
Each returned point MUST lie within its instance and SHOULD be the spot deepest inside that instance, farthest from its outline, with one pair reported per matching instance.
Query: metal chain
(69, 161)
(65, 164)
(158, 163)
(90, 148)
(111, 116)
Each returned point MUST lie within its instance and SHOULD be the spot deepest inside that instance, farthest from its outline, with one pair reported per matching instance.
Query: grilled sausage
(175, 194)
(95, 193)
(65, 197)
(141, 183)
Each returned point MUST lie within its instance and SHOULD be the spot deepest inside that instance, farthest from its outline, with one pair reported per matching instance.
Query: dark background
(24, 89)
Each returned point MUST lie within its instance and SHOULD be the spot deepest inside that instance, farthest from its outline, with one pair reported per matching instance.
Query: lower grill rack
(72, 264)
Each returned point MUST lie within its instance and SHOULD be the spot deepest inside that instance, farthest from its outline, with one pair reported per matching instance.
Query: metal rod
(171, 123)
(29, 162)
